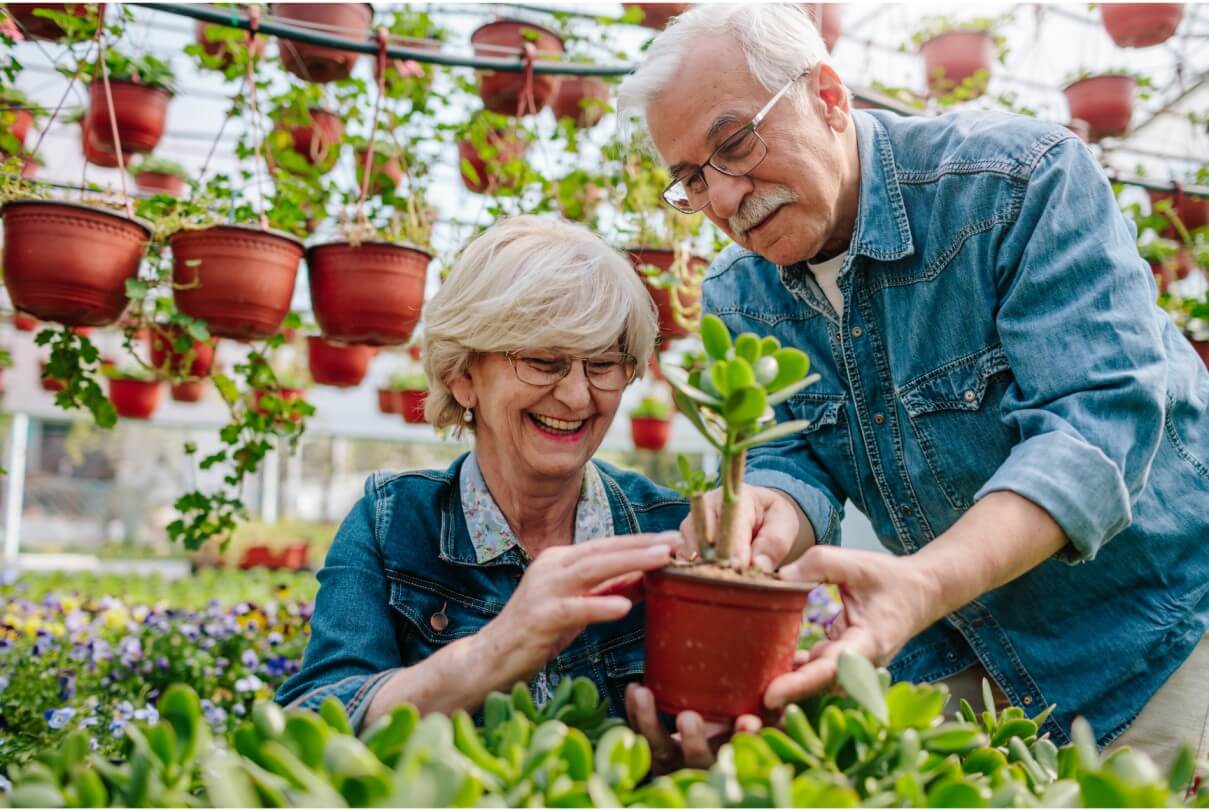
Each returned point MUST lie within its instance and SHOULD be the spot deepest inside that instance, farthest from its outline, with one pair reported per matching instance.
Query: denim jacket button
(1026, 700)
(968, 396)
(905, 510)
(857, 331)
(878, 419)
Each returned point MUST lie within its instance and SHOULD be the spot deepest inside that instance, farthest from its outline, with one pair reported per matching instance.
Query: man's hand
(696, 743)
(770, 529)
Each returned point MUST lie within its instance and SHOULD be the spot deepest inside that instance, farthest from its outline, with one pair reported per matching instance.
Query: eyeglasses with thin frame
(608, 371)
(736, 156)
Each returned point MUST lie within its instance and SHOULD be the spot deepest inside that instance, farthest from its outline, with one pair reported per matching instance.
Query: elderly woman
(444, 585)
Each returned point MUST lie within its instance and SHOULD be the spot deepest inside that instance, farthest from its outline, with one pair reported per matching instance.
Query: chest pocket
(432, 615)
(954, 414)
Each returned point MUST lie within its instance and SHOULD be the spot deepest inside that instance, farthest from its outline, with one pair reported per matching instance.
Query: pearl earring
(468, 415)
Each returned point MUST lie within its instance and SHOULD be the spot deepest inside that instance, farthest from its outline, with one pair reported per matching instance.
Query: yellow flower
(69, 603)
(115, 617)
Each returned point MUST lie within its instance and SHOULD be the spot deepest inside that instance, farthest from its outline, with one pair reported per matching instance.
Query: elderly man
(1024, 428)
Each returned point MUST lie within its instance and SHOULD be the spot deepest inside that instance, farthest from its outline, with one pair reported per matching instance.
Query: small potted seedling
(412, 388)
(135, 392)
(651, 424)
(717, 635)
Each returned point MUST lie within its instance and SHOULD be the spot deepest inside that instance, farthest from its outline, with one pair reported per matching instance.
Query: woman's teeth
(557, 424)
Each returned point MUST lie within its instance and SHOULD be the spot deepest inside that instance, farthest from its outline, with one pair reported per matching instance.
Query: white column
(293, 481)
(270, 485)
(14, 495)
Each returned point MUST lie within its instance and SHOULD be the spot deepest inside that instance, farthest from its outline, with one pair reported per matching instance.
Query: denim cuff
(1078, 485)
(817, 507)
(356, 692)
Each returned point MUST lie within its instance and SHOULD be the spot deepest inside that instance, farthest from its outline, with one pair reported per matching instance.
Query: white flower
(249, 683)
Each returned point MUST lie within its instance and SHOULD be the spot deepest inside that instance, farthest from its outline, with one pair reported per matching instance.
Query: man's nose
(726, 193)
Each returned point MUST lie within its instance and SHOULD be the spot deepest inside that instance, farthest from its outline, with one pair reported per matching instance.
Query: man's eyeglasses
(736, 156)
(610, 371)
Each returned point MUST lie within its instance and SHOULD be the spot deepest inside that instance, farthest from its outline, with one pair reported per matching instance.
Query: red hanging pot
(294, 557)
(319, 63)
(485, 179)
(650, 433)
(1140, 25)
(22, 120)
(1202, 348)
(369, 293)
(412, 406)
(657, 15)
(238, 279)
(69, 263)
(41, 27)
(188, 391)
(94, 153)
(714, 646)
(1104, 102)
(506, 39)
(828, 18)
(140, 111)
(390, 400)
(259, 556)
(339, 366)
(583, 99)
(385, 175)
(135, 399)
(668, 328)
(195, 363)
(1192, 211)
(222, 47)
(160, 183)
(319, 141)
(955, 56)
(24, 323)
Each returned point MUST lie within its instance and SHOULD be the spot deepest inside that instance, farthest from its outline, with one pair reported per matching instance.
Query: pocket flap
(438, 614)
(820, 410)
(957, 386)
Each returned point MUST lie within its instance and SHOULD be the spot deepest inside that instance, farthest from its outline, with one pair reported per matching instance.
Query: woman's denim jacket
(1000, 332)
(404, 555)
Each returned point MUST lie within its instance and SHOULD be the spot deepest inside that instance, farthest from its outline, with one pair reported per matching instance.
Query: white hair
(532, 283)
(779, 41)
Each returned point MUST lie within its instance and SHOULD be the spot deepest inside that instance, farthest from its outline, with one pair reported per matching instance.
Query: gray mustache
(754, 209)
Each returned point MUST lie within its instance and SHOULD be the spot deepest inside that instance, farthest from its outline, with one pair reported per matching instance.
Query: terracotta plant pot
(390, 401)
(412, 406)
(94, 153)
(258, 557)
(294, 557)
(1104, 102)
(141, 113)
(506, 39)
(370, 293)
(955, 56)
(319, 141)
(51, 384)
(69, 263)
(167, 359)
(42, 28)
(1192, 211)
(189, 391)
(668, 328)
(583, 99)
(222, 47)
(650, 433)
(829, 19)
(24, 323)
(339, 366)
(1140, 25)
(385, 175)
(319, 63)
(238, 279)
(508, 148)
(714, 645)
(1202, 348)
(656, 15)
(135, 399)
(157, 183)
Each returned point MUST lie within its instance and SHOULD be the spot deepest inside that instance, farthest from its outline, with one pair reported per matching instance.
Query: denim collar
(882, 230)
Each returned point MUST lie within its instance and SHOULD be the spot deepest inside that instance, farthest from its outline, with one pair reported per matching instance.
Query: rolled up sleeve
(1078, 323)
(787, 466)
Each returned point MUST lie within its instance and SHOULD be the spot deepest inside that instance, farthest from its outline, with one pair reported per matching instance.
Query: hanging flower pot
(238, 279)
(650, 433)
(828, 18)
(188, 391)
(134, 398)
(386, 173)
(1104, 102)
(369, 293)
(336, 365)
(208, 37)
(94, 153)
(657, 15)
(160, 183)
(669, 329)
(141, 111)
(39, 27)
(583, 99)
(319, 63)
(1140, 25)
(390, 400)
(69, 263)
(317, 140)
(481, 169)
(258, 556)
(166, 358)
(1192, 211)
(958, 61)
(506, 39)
(294, 557)
(411, 405)
(713, 646)
(24, 323)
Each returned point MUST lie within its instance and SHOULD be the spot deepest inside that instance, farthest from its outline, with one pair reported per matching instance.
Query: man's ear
(834, 97)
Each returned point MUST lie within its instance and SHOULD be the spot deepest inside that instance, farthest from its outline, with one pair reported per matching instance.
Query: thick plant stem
(700, 523)
(732, 484)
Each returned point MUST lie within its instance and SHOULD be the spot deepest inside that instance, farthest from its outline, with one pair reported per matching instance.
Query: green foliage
(651, 408)
(76, 363)
(145, 70)
(159, 165)
(408, 381)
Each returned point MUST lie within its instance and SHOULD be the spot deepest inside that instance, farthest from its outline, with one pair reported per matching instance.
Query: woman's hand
(563, 591)
(696, 742)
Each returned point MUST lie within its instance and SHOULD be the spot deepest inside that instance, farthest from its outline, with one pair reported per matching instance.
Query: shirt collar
(882, 230)
(490, 534)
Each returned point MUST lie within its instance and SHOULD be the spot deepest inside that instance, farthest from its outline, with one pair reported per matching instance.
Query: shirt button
(878, 419)
(857, 331)
(951, 656)
(1027, 700)
(906, 511)
(968, 396)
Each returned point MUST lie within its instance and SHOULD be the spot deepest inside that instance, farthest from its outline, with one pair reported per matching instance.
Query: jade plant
(729, 401)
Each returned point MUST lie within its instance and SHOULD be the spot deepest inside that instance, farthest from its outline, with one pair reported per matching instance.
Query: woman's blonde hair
(531, 283)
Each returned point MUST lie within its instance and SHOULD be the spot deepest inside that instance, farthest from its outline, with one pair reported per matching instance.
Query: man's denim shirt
(404, 555)
(1000, 333)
